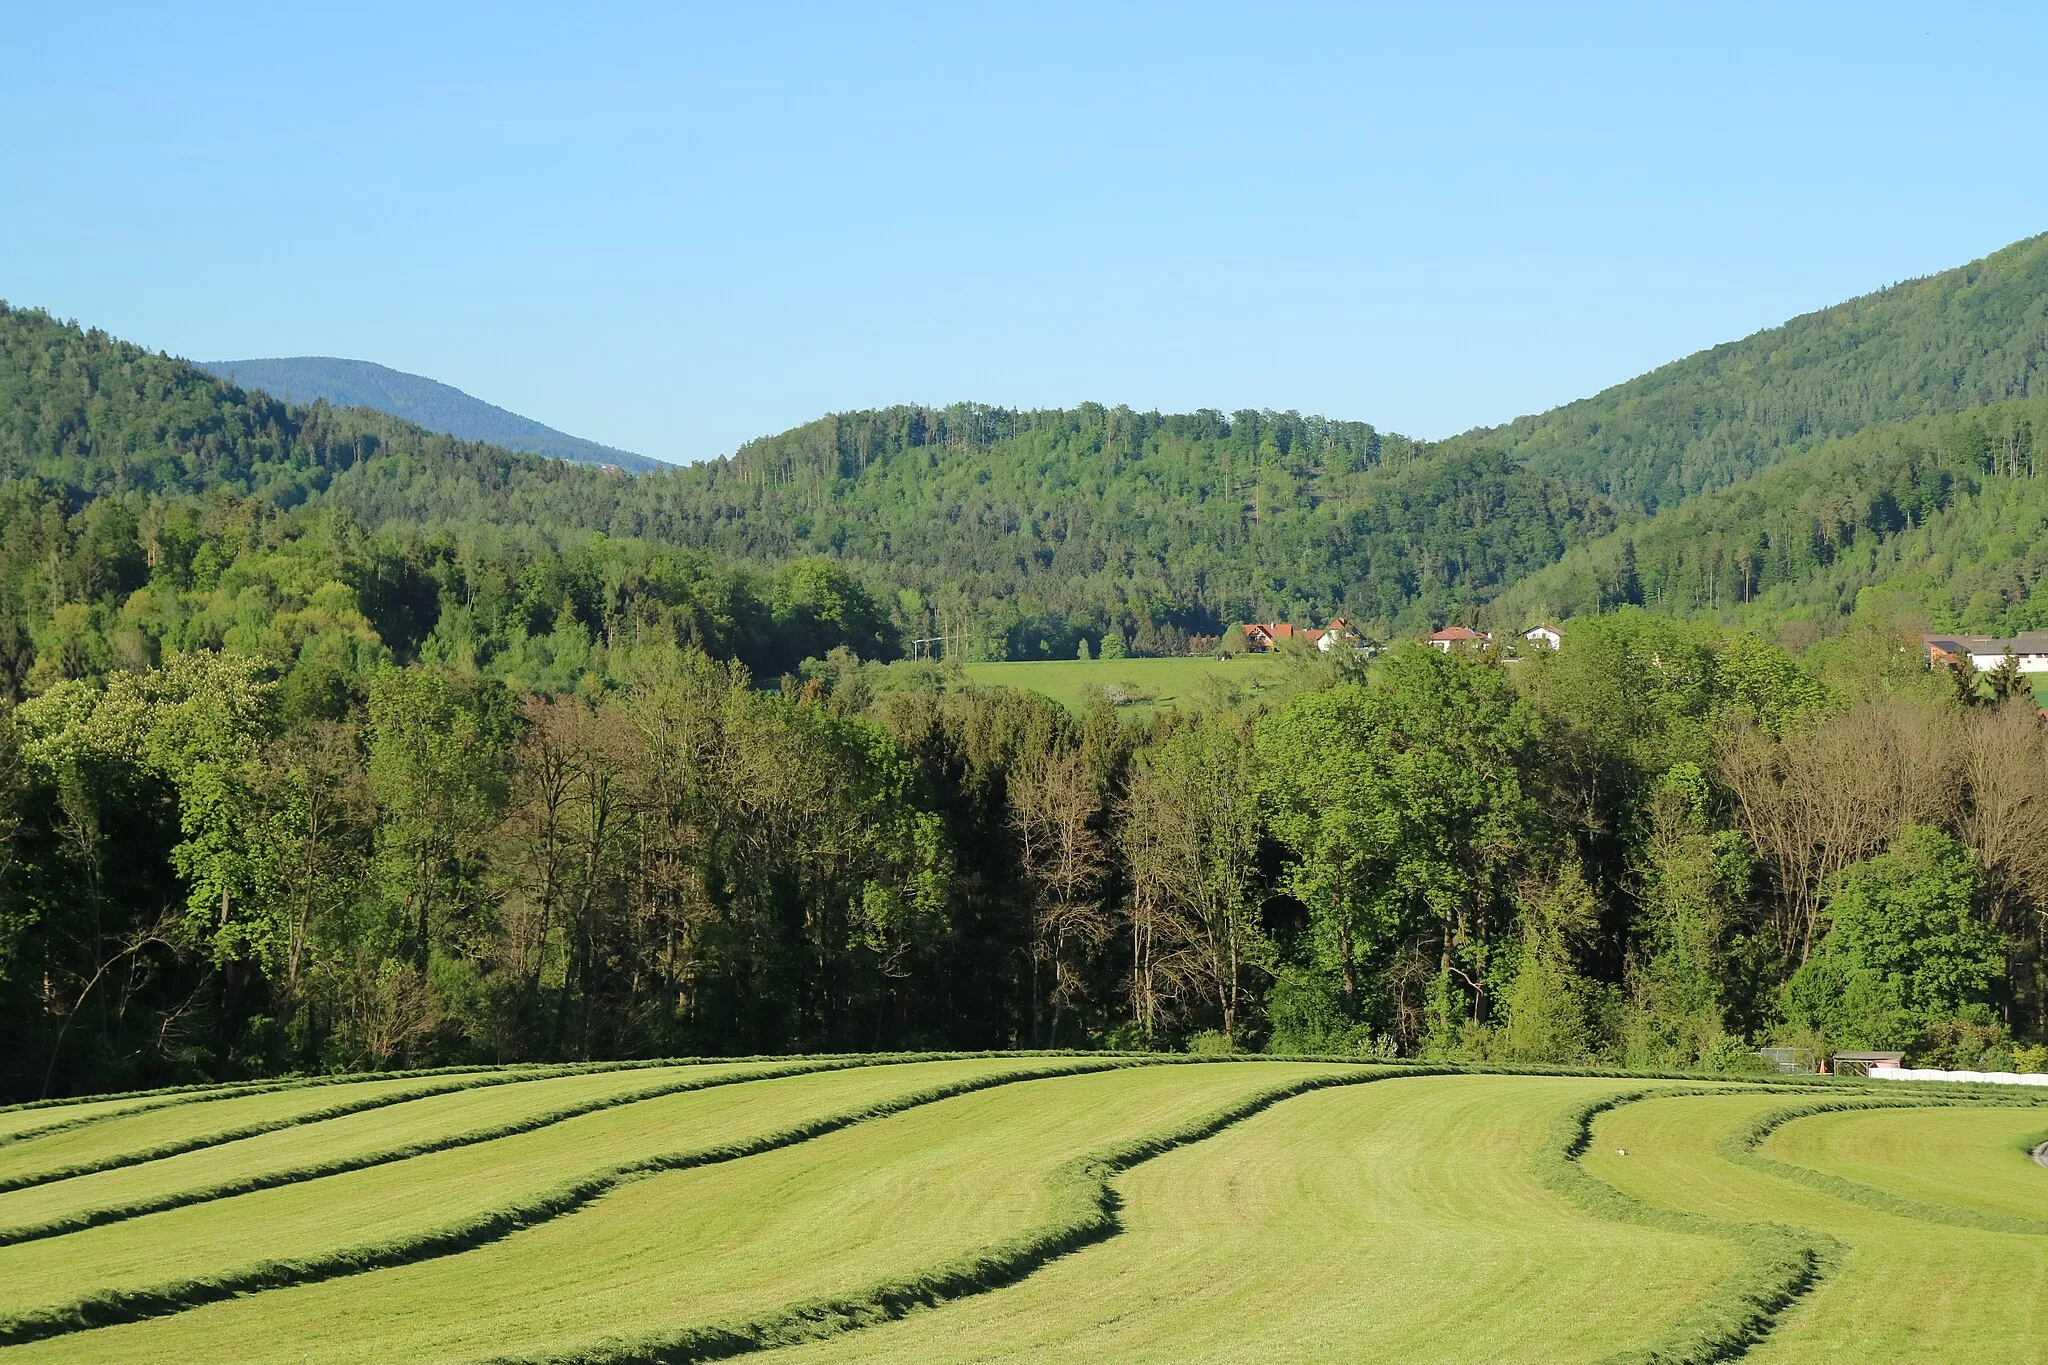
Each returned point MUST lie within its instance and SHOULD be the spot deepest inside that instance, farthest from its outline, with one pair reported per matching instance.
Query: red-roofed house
(1459, 637)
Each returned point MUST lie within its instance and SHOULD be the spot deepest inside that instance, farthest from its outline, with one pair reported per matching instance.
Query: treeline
(133, 579)
(1937, 519)
(1662, 846)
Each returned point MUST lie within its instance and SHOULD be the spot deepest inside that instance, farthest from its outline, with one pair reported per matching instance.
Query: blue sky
(672, 228)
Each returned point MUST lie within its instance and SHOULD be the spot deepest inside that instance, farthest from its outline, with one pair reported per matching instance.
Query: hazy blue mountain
(428, 402)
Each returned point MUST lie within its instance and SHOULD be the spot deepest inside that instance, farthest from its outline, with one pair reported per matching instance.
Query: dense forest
(1658, 847)
(1021, 531)
(328, 742)
(1938, 521)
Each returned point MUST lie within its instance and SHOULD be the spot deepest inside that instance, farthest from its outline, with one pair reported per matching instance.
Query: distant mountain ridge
(425, 402)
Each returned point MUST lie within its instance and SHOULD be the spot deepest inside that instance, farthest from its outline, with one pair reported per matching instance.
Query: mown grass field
(1029, 1208)
(1145, 685)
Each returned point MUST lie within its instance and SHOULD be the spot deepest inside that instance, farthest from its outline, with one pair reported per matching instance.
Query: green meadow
(1140, 686)
(1027, 1207)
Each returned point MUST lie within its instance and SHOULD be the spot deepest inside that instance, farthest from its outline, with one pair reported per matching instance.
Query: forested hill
(150, 509)
(427, 402)
(1961, 339)
(1035, 525)
(1943, 520)
(1016, 533)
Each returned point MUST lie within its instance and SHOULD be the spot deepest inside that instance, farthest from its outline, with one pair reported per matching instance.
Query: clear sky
(674, 227)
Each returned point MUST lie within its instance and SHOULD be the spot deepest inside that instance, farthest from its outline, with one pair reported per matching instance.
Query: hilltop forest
(330, 742)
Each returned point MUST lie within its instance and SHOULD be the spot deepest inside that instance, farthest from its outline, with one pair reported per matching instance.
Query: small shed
(1859, 1063)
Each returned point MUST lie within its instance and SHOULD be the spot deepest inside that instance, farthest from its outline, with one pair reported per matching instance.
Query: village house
(1459, 637)
(1543, 637)
(1265, 636)
(1986, 652)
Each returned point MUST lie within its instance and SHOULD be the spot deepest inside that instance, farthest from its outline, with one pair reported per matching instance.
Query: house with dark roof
(1986, 652)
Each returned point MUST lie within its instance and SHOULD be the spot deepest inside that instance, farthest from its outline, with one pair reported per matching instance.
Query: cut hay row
(1089, 1208)
(1900, 1289)
(132, 1139)
(353, 1142)
(1976, 1160)
(1741, 1147)
(448, 1202)
(36, 1118)
(1403, 1220)
(919, 1198)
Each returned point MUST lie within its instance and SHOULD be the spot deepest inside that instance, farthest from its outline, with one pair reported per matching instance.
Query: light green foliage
(1936, 520)
(1332, 797)
(1907, 947)
(1402, 803)
(1695, 880)
(1654, 692)
(1192, 840)
(197, 725)
(1553, 1010)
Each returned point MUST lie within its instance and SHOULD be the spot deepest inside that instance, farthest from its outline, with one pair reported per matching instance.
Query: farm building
(1986, 652)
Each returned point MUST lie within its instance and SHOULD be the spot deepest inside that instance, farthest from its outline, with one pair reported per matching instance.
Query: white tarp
(1921, 1073)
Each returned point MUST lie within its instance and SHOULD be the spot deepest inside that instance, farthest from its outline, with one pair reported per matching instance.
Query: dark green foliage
(339, 743)
(1939, 519)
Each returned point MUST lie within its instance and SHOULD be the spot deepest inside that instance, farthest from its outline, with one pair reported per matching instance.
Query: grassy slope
(446, 1188)
(1153, 683)
(1906, 1290)
(1981, 1155)
(1415, 1218)
(1331, 1228)
(354, 1136)
(828, 1216)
